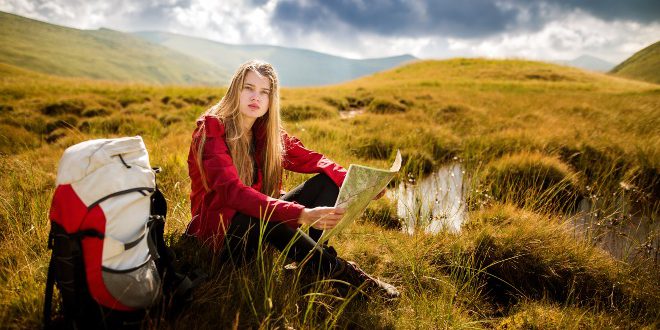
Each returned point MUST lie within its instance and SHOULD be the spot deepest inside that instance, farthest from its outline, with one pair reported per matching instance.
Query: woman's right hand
(321, 217)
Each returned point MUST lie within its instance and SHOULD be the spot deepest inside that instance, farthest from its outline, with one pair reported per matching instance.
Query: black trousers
(242, 240)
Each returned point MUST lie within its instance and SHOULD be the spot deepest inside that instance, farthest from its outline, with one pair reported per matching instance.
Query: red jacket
(213, 211)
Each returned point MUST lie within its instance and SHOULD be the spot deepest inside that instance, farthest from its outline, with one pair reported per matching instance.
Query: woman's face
(255, 96)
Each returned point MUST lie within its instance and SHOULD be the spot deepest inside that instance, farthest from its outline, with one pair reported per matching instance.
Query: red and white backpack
(107, 219)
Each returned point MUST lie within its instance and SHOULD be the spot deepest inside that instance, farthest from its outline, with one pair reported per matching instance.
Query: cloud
(124, 15)
(448, 18)
(544, 29)
(398, 18)
(575, 34)
(644, 11)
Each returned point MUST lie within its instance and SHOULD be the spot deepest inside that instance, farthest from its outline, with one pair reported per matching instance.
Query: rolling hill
(643, 65)
(589, 62)
(98, 54)
(296, 67)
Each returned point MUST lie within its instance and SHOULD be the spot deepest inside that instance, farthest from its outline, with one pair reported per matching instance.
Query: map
(360, 186)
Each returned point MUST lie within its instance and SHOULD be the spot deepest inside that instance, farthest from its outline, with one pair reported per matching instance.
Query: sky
(541, 30)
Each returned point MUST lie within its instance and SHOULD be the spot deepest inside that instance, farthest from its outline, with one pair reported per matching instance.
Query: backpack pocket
(137, 287)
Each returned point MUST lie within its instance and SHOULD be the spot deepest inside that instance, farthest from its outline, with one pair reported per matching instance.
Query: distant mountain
(589, 62)
(643, 65)
(98, 54)
(296, 67)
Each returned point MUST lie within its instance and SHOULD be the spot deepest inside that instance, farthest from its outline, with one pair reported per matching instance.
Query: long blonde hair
(227, 110)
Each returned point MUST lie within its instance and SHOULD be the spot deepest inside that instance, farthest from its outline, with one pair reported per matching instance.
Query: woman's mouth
(253, 106)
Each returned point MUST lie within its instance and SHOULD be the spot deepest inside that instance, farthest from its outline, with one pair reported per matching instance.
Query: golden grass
(509, 267)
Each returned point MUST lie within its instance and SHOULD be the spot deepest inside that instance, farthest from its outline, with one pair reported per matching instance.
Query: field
(535, 140)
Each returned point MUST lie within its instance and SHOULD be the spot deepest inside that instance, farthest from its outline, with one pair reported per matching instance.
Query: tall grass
(535, 140)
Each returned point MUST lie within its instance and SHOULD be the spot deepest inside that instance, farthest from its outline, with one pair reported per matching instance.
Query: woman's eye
(265, 92)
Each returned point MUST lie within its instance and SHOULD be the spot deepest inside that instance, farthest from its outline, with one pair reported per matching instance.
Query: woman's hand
(321, 217)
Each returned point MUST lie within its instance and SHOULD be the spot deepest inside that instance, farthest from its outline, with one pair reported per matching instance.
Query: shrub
(303, 112)
(340, 104)
(383, 212)
(94, 112)
(195, 101)
(4, 108)
(517, 254)
(383, 106)
(122, 124)
(169, 119)
(418, 162)
(534, 180)
(67, 106)
(356, 102)
(373, 148)
(64, 121)
(15, 139)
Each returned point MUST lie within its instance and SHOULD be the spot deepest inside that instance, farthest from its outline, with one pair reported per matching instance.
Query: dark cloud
(644, 11)
(397, 17)
(465, 19)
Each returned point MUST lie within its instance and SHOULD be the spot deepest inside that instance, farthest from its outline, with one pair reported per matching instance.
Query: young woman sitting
(236, 161)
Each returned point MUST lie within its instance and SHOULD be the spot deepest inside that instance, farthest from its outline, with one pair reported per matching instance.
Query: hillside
(559, 162)
(589, 62)
(99, 54)
(296, 67)
(643, 65)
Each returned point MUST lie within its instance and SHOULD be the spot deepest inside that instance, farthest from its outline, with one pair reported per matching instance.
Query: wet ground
(437, 202)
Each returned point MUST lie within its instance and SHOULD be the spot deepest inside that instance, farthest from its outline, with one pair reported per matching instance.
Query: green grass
(643, 65)
(530, 136)
(98, 54)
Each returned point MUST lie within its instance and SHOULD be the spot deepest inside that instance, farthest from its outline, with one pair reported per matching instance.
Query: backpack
(109, 259)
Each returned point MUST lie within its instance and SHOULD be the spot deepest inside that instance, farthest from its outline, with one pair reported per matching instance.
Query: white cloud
(230, 21)
(566, 36)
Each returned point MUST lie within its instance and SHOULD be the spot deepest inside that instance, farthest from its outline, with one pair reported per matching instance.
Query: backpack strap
(177, 287)
(50, 284)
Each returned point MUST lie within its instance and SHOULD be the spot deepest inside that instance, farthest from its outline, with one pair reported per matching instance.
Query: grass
(643, 65)
(96, 54)
(530, 136)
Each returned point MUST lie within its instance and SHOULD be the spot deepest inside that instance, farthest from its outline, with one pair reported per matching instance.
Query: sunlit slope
(296, 67)
(472, 72)
(643, 65)
(98, 54)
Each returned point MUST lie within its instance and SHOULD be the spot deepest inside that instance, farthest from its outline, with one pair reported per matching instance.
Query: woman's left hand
(381, 194)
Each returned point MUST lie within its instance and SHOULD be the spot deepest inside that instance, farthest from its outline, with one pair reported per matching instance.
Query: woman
(236, 158)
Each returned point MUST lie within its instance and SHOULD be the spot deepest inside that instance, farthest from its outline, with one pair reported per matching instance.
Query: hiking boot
(349, 272)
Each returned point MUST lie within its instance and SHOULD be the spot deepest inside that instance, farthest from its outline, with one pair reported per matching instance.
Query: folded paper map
(360, 186)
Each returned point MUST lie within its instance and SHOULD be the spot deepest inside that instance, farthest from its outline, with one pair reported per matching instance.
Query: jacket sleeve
(222, 177)
(299, 159)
